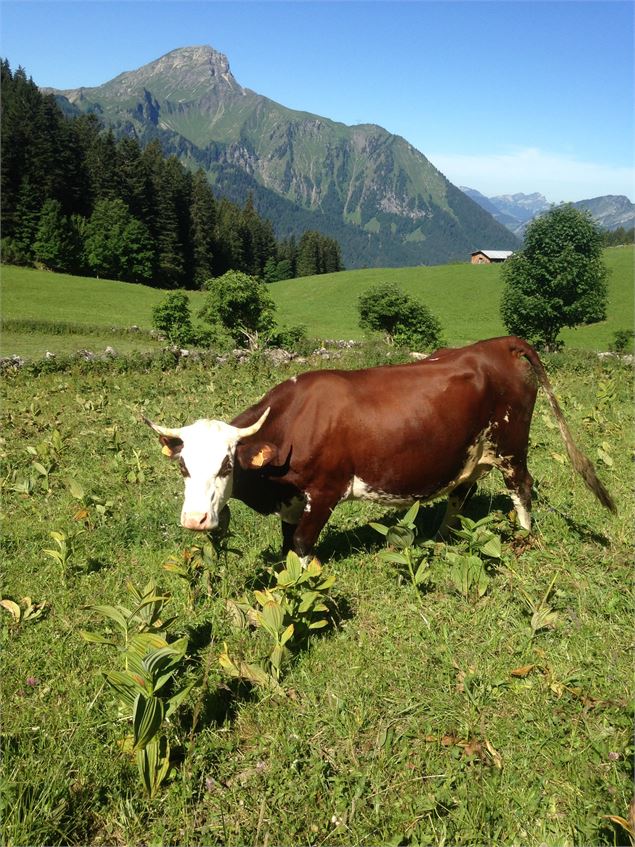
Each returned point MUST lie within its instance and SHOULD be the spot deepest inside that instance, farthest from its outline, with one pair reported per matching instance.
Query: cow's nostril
(203, 520)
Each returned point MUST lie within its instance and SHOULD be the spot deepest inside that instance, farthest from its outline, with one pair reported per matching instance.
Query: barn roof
(494, 254)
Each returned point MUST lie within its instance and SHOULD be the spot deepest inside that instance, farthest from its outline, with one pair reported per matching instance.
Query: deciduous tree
(117, 245)
(557, 280)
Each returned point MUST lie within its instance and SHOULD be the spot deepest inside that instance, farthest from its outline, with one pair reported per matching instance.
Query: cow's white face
(205, 453)
(206, 460)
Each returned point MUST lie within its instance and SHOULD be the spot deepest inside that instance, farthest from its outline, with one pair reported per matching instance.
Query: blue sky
(500, 96)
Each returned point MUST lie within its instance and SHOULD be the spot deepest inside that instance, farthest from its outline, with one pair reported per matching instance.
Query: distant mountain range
(382, 199)
(515, 211)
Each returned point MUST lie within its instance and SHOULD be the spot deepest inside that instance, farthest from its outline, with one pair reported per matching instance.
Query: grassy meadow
(487, 701)
(464, 297)
(454, 712)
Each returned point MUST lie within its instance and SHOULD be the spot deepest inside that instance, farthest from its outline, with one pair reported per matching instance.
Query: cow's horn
(251, 430)
(163, 430)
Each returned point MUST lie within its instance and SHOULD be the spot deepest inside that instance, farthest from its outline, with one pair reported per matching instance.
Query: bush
(404, 321)
(291, 338)
(172, 317)
(622, 341)
(12, 253)
(241, 304)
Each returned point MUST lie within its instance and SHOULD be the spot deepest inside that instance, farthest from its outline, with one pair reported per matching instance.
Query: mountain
(523, 207)
(515, 211)
(373, 191)
(611, 211)
(510, 221)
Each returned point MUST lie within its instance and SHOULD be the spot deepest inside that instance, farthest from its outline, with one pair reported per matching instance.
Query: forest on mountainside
(77, 199)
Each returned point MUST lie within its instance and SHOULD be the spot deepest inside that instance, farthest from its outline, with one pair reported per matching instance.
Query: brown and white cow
(392, 434)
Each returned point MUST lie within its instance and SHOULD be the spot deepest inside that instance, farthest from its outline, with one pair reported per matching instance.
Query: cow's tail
(579, 461)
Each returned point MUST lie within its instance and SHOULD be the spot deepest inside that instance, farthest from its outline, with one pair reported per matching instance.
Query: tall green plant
(288, 613)
(145, 683)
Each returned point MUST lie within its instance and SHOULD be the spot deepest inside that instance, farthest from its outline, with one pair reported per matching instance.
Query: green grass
(403, 724)
(464, 297)
(70, 302)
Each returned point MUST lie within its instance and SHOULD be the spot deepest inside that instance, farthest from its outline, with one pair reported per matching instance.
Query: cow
(391, 434)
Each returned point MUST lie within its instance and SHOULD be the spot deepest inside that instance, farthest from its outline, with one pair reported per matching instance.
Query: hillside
(464, 297)
(379, 196)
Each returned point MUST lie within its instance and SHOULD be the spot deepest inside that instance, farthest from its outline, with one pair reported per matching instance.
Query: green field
(466, 710)
(458, 713)
(464, 297)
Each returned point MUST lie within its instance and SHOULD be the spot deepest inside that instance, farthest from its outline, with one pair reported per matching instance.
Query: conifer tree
(116, 245)
(203, 222)
(55, 242)
(308, 262)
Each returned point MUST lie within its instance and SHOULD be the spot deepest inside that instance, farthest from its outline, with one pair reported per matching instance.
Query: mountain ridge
(516, 211)
(382, 198)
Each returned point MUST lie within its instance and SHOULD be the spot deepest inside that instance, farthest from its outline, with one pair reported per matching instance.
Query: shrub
(622, 341)
(12, 252)
(172, 317)
(291, 338)
(404, 321)
(241, 304)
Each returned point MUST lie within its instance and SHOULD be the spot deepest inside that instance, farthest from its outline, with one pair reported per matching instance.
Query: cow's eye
(182, 468)
(226, 467)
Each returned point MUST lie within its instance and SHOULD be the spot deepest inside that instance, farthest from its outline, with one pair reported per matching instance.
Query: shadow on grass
(336, 544)
(220, 704)
(582, 530)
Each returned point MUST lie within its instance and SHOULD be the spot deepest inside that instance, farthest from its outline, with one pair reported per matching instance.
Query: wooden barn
(488, 257)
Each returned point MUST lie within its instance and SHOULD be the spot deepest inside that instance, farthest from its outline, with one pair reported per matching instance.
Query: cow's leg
(519, 482)
(290, 514)
(288, 531)
(457, 499)
(315, 515)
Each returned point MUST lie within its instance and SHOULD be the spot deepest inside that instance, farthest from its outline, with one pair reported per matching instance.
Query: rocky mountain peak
(201, 63)
(182, 75)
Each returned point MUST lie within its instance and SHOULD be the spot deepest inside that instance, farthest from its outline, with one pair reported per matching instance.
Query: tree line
(618, 237)
(77, 199)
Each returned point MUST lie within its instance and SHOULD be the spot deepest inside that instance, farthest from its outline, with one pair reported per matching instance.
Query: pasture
(460, 711)
(43, 312)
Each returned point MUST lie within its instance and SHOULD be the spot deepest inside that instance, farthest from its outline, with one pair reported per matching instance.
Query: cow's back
(399, 428)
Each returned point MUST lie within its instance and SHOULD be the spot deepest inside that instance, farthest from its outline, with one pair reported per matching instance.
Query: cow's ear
(254, 456)
(171, 446)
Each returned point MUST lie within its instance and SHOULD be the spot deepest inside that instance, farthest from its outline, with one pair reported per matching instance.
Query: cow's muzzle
(206, 521)
(199, 521)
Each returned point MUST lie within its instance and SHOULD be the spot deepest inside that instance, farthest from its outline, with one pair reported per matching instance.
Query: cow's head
(205, 452)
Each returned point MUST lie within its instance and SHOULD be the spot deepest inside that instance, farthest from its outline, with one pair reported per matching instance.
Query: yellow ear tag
(262, 456)
(166, 451)
(258, 460)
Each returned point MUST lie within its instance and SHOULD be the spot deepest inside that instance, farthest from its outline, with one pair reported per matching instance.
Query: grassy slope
(38, 295)
(465, 297)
